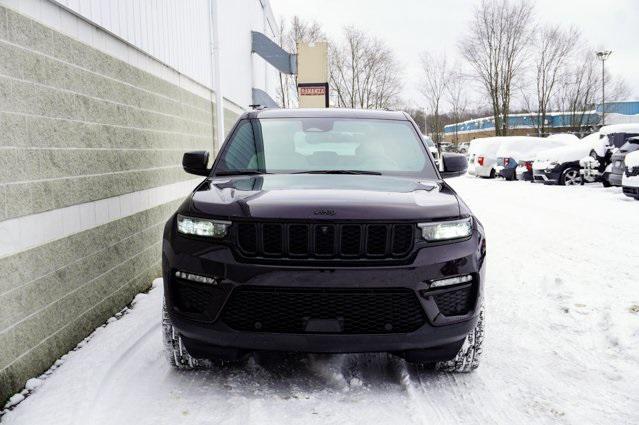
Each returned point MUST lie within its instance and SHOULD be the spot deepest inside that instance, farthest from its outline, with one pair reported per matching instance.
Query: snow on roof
(567, 137)
(525, 148)
(572, 151)
(619, 128)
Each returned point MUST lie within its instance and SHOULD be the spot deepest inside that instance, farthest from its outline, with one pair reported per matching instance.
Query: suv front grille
(353, 311)
(324, 240)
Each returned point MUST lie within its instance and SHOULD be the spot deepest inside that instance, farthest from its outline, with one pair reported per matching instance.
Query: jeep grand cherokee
(325, 231)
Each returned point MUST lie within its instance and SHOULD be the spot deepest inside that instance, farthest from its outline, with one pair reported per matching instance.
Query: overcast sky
(412, 26)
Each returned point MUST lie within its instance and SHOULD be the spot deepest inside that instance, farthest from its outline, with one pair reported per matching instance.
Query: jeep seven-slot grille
(349, 311)
(324, 240)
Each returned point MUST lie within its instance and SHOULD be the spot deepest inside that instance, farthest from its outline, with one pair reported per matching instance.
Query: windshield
(303, 145)
(630, 146)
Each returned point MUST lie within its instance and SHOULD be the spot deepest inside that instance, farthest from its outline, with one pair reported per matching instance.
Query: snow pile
(34, 383)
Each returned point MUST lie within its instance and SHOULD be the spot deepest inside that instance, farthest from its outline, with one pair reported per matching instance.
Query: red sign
(313, 91)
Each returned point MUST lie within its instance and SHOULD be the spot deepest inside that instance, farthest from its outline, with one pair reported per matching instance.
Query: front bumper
(429, 263)
(546, 177)
(631, 186)
(615, 179)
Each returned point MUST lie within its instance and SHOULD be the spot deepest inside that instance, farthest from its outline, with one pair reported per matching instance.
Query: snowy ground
(561, 341)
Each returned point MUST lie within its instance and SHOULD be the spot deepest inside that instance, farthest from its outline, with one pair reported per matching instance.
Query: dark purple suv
(324, 231)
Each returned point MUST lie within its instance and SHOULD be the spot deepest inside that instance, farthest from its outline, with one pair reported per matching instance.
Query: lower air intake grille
(455, 303)
(354, 311)
(197, 300)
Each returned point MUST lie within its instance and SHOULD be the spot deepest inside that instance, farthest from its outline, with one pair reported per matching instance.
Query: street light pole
(602, 56)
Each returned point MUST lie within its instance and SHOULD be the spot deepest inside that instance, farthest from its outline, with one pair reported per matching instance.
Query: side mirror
(195, 162)
(454, 165)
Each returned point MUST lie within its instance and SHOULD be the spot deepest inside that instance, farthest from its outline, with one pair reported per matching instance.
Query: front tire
(176, 352)
(569, 177)
(469, 355)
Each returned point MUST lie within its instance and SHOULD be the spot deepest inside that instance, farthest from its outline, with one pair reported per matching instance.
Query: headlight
(202, 227)
(551, 165)
(445, 230)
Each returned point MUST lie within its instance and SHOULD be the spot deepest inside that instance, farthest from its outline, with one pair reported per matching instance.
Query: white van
(482, 156)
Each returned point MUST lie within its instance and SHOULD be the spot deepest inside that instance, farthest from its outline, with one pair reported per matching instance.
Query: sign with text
(318, 90)
(312, 74)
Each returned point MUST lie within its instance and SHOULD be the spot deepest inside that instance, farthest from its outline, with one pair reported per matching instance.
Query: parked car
(432, 148)
(605, 162)
(561, 165)
(630, 179)
(617, 159)
(326, 230)
(482, 156)
(516, 154)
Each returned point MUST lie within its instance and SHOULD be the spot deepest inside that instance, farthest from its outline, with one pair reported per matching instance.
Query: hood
(325, 197)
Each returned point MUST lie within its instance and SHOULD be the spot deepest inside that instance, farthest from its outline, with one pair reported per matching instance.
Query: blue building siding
(521, 121)
(554, 120)
(624, 108)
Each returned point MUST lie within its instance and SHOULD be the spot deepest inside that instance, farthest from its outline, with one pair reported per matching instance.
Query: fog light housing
(450, 281)
(196, 278)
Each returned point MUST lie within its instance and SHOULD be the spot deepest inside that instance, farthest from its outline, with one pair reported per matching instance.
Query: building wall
(92, 131)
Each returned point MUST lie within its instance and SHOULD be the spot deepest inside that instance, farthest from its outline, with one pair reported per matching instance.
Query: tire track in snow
(114, 371)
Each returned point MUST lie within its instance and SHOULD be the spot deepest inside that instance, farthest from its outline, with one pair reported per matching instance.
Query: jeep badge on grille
(324, 212)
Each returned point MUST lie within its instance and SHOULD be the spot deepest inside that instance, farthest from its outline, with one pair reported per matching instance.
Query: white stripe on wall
(22, 233)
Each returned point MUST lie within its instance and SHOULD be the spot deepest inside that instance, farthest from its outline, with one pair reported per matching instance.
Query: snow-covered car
(617, 159)
(482, 156)
(561, 165)
(516, 154)
(630, 179)
(607, 164)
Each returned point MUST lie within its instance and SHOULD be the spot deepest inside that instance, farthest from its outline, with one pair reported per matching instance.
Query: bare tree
(363, 72)
(554, 48)
(495, 48)
(291, 33)
(435, 82)
(578, 90)
(457, 97)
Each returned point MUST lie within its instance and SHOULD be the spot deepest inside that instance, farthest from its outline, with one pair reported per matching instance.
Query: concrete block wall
(90, 153)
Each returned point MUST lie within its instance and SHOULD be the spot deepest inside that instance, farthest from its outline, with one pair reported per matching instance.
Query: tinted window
(242, 153)
(280, 145)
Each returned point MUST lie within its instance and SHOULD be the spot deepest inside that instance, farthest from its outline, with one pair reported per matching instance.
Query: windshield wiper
(240, 172)
(372, 173)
